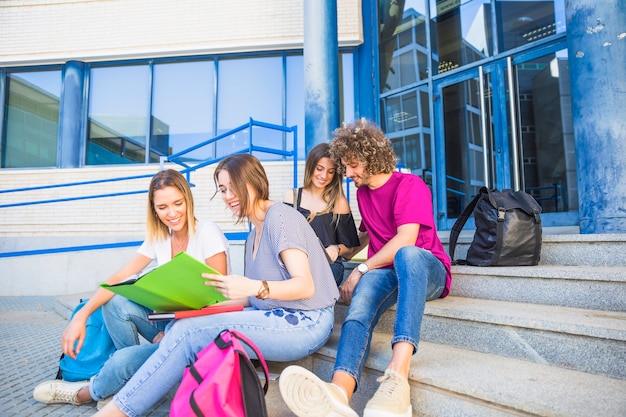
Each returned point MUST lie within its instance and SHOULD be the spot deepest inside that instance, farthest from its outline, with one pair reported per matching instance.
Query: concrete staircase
(548, 340)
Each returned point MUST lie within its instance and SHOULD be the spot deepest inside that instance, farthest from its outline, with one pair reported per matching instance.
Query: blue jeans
(126, 320)
(417, 276)
(118, 369)
(280, 334)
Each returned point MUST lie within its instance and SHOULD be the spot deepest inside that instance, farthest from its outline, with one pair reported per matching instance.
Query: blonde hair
(155, 229)
(244, 170)
(364, 141)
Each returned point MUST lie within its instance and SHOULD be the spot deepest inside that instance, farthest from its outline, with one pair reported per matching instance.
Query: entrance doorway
(507, 124)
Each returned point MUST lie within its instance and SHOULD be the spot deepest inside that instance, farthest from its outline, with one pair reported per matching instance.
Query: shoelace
(63, 395)
(389, 385)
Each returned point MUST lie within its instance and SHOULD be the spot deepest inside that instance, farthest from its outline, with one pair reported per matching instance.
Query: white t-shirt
(206, 242)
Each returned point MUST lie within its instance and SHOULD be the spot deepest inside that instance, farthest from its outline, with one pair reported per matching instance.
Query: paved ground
(30, 333)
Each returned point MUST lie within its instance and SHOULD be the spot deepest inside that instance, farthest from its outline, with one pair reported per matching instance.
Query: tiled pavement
(30, 334)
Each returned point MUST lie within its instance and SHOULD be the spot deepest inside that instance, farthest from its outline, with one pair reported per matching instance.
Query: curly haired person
(406, 265)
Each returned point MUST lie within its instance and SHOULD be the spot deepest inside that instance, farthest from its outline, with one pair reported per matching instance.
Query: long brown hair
(155, 229)
(333, 191)
(245, 169)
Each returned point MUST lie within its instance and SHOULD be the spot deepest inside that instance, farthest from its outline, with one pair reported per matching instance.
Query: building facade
(471, 93)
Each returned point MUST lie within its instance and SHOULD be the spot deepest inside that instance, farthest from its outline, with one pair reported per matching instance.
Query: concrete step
(563, 248)
(586, 340)
(449, 381)
(596, 288)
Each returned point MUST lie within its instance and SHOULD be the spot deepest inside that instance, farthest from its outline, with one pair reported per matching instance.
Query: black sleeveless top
(331, 229)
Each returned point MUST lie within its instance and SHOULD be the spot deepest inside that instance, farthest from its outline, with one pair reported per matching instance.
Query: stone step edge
(568, 320)
(528, 387)
(566, 272)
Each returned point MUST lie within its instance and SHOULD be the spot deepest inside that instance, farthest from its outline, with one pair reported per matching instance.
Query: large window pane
(403, 48)
(522, 22)
(32, 119)
(295, 100)
(182, 108)
(461, 32)
(119, 103)
(250, 88)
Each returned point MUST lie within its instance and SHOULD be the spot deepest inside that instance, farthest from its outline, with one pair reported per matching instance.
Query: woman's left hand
(333, 252)
(233, 286)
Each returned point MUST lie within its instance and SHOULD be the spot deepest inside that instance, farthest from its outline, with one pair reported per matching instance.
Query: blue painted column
(321, 71)
(597, 59)
(73, 104)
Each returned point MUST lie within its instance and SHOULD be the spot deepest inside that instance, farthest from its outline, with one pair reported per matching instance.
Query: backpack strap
(243, 339)
(460, 222)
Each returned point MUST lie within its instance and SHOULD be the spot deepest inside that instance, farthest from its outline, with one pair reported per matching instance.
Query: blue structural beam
(597, 60)
(71, 143)
(321, 71)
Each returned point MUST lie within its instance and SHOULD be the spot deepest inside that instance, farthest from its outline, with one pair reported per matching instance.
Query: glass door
(507, 124)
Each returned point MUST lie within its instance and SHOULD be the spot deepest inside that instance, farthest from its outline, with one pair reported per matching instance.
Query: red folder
(194, 313)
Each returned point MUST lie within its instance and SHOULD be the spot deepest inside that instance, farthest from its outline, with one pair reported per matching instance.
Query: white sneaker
(391, 399)
(59, 392)
(308, 396)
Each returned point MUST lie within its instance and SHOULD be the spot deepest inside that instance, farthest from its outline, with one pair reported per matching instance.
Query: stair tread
(574, 272)
(501, 381)
(578, 321)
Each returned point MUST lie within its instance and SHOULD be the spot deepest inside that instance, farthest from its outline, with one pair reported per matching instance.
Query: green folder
(175, 285)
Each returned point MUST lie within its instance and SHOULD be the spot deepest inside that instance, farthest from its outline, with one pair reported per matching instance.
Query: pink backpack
(222, 382)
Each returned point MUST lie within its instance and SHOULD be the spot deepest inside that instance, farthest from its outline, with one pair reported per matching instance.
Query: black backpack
(508, 229)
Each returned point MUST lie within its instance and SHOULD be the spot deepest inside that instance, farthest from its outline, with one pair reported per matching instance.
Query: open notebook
(175, 285)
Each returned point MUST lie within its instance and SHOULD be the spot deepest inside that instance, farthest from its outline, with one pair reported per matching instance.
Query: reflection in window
(462, 33)
(118, 116)
(182, 108)
(405, 121)
(403, 52)
(522, 22)
(32, 119)
(250, 88)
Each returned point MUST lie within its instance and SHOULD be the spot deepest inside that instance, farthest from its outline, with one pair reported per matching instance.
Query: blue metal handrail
(175, 158)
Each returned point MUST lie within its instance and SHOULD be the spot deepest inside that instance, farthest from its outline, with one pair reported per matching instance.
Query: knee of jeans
(408, 254)
(112, 306)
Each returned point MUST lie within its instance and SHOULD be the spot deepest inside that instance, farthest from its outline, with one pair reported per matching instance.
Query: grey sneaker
(391, 399)
(308, 396)
(59, 392)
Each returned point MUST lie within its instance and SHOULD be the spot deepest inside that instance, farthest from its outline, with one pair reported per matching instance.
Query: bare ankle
(84, 396)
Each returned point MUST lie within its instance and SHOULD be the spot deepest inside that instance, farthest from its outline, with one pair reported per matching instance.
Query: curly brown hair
(364, 141)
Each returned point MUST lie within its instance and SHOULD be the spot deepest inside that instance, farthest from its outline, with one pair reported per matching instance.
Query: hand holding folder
(174, 286)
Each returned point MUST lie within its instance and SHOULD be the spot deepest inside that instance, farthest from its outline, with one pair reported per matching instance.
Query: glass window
(403, 46)
(250, 88)
(119, 103)
(295, 101)
(31, 119)
(522, 22)
(182, 109)
(405, 121)
(461, 32)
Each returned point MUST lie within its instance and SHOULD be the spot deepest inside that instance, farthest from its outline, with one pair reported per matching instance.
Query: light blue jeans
(417, 276)
(280, 334)
(118, 369)
(125, 320)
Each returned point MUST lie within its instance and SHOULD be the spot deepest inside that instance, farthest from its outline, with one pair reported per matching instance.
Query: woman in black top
(322, 202)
